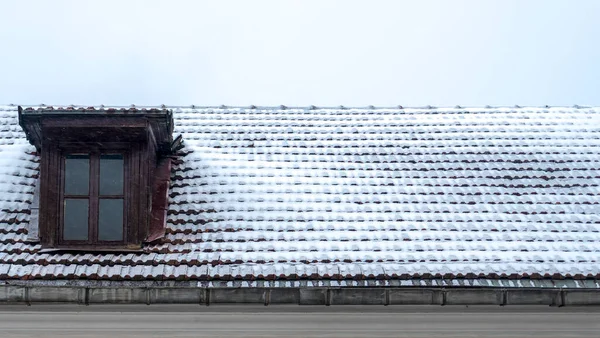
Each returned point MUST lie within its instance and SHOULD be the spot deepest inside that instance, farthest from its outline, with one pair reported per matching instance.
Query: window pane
(111, 175)
(76, 220)
(77, 174)
(110, 220)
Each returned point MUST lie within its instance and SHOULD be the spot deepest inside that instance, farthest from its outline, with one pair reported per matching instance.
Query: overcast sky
(300, 53)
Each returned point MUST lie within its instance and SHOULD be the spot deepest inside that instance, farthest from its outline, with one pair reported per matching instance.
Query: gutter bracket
(443, 297)
(504, 297)
(267, 297)
(26, 296)
(387, 297)
(207, 296)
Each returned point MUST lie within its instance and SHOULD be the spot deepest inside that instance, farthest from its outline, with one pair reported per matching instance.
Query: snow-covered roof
(290, 193)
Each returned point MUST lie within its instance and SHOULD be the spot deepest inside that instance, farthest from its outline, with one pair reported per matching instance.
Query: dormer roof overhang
(69, 124)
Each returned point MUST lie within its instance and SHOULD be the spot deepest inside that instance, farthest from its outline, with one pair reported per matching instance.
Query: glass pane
(110, 220)
(76, 220)
(77, 174)
(111, 175)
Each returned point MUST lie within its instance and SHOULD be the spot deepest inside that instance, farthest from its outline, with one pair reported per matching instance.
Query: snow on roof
(347, 193)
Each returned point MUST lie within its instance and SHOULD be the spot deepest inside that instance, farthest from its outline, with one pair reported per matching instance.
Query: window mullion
(94, 179)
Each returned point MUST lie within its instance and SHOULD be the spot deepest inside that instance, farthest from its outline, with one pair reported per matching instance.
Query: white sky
(324, 53)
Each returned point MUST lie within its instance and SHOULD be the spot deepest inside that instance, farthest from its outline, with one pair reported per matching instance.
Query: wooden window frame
(95, 153)
(136, 195)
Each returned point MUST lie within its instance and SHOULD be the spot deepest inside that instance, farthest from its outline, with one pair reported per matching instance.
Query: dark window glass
(110, 221)
(76, 220)
(77, 175)
(111, 175)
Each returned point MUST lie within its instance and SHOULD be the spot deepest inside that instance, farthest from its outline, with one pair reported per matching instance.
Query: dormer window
(104, 175)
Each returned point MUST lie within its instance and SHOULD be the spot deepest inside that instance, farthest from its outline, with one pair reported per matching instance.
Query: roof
(297, 193)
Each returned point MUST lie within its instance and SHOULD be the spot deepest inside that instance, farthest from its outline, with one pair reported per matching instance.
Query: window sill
(91, 249)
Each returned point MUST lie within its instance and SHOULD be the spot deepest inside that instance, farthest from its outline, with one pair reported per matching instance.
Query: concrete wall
(302, 296)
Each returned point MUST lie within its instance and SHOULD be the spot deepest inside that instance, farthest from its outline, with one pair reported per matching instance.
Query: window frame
(137, 193)
(95, 153)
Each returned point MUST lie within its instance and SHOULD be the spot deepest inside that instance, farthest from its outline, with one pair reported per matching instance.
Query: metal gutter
(27, 294)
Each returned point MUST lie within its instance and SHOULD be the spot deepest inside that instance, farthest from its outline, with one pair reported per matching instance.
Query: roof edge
(133, 107)
(309, 283)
